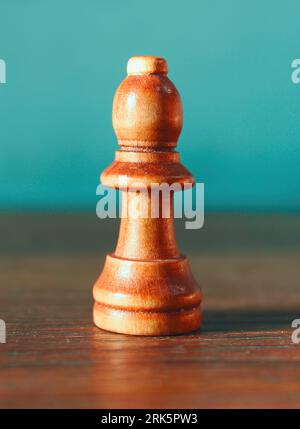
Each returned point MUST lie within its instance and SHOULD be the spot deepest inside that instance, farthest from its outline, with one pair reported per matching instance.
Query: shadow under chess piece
(146, 286)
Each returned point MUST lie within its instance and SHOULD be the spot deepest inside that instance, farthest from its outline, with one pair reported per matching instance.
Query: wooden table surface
(248, 266)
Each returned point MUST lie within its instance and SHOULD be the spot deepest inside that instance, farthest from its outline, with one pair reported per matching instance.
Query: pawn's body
(146, 287)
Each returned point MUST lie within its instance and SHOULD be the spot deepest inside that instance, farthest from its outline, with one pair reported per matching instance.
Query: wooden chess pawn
(146, 286)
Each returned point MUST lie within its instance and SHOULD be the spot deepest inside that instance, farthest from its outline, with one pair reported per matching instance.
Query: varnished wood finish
(146, 286)
(243, 357)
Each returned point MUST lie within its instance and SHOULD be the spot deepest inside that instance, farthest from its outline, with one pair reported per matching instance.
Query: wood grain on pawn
(146, 286)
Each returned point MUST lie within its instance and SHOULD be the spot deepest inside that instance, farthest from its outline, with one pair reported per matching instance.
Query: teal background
(230, 60)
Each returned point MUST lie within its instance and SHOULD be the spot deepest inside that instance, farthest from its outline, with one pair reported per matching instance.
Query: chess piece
(146, 286)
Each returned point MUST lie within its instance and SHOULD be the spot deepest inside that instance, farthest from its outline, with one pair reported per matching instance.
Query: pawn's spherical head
(147, 110)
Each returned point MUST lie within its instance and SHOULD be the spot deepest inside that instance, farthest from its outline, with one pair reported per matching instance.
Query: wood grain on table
(248, 266)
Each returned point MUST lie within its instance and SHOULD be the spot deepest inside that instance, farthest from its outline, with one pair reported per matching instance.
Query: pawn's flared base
(153, 298)
(147, 323)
